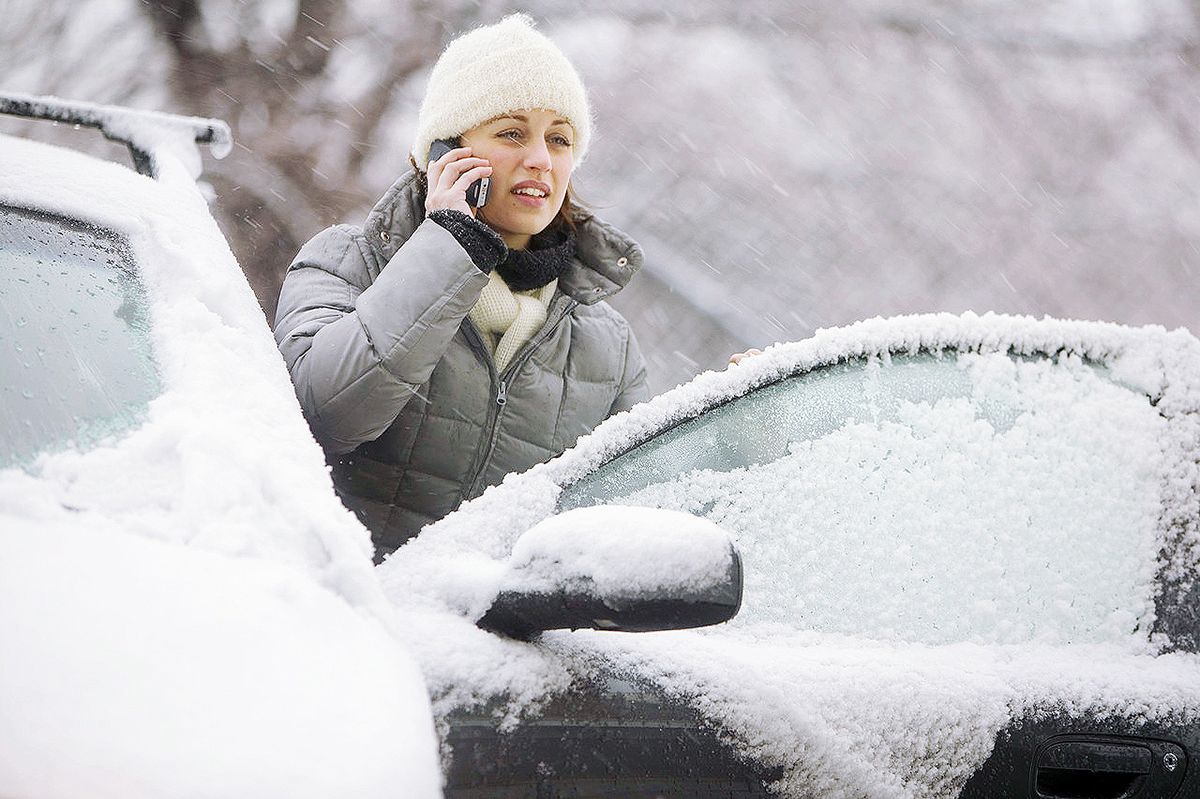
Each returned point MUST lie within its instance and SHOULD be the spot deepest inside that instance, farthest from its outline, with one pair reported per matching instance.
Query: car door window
(924, 498)
(75, 355)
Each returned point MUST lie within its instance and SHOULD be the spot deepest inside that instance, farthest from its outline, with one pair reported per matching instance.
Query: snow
(137, 668)
(956, 521)
(260, 24)
(187, 608)
(678, 554)
(1034, 588)
(850, 717)
(198, 614)
(824, 703)
(147, 131)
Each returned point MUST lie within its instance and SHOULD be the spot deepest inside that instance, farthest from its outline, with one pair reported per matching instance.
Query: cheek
(494, 156)
(563, 165)
(485, 149)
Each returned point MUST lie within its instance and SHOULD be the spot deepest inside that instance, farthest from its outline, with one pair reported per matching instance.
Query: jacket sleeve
(358, 349)
(633, 382)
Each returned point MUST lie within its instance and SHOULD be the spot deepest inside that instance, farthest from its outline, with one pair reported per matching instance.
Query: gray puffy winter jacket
(398, 385)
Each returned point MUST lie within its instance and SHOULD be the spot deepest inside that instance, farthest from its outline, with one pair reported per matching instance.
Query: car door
(952, 527)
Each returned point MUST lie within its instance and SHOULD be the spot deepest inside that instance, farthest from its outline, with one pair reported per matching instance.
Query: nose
(537, 156)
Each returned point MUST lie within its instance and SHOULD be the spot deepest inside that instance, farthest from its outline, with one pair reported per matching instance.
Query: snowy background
(786, 167)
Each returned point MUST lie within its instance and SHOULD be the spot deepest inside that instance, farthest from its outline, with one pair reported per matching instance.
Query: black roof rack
(124, 125)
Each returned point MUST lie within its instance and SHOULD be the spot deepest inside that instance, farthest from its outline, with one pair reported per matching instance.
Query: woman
(441, 346)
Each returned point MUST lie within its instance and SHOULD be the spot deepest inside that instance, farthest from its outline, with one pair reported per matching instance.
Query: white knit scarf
(507, 319)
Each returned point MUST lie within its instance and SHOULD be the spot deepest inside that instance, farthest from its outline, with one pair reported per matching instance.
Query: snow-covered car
(970, 548)
(185, 607)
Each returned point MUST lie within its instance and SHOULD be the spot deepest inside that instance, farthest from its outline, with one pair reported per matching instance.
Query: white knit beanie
(495, 70)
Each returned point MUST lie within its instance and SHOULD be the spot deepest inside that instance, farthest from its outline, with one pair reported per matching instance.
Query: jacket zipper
(493, 425)
(483, 448)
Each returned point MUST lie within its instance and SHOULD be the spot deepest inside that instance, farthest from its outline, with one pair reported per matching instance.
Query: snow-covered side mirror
(617, 568)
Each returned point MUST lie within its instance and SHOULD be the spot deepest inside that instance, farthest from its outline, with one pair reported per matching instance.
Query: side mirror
(612, 567)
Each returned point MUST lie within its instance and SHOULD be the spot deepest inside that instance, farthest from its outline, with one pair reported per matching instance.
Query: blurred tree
(307, 86)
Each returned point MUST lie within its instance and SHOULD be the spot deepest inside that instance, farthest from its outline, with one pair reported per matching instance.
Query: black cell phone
(477, 192)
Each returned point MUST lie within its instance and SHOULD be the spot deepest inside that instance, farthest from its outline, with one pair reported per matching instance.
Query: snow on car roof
(1097, 341)
(842, 714)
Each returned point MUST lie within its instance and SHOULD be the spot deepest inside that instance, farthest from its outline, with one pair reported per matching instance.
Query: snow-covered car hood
(187, 607)
(842, 714)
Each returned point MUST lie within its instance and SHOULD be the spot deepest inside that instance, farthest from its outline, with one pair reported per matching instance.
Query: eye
(560, 140)
(509, 133)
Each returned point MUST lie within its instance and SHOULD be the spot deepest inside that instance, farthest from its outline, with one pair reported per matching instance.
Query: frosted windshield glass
(75, 357)
(969, 498)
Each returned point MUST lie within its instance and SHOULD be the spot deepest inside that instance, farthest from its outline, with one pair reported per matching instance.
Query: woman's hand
(449, 178)
(738, 357)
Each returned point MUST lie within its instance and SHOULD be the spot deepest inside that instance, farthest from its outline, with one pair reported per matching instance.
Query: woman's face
(532, 154)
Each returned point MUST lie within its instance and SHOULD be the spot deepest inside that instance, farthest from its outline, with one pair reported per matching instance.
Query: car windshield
(924, 498)
(75, 355)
